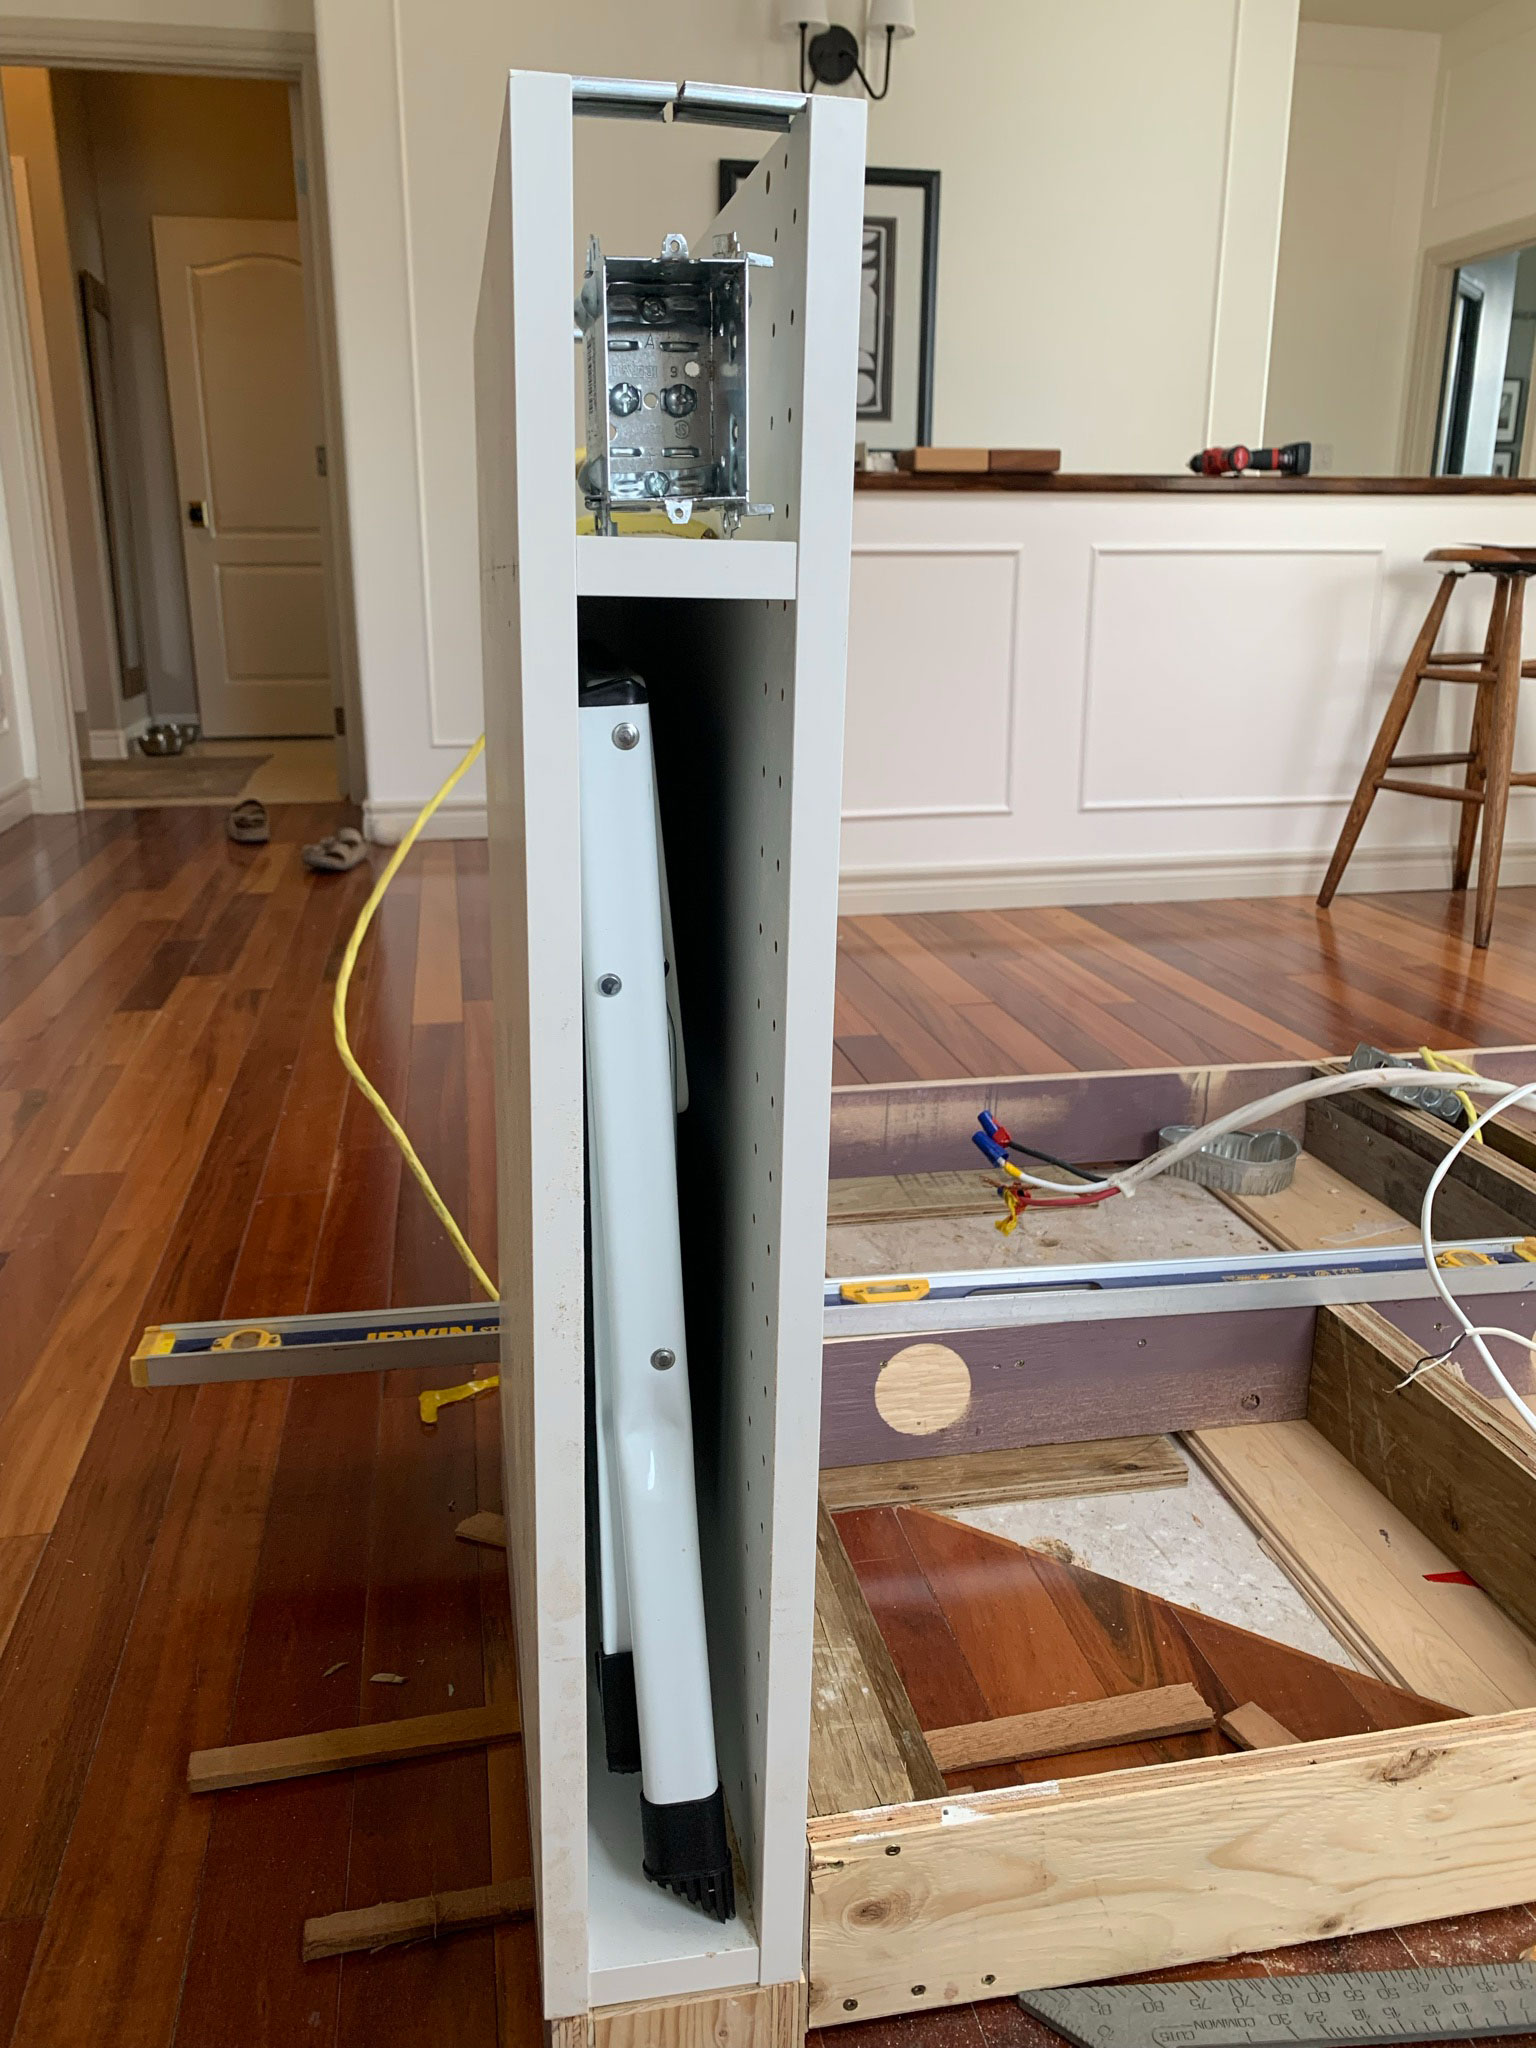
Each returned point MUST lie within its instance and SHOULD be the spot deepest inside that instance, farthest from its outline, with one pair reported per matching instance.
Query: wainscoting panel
(1227, 676)
(931, 681)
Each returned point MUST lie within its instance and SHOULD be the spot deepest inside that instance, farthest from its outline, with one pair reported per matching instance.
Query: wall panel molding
(1225, 659)
(990, 754)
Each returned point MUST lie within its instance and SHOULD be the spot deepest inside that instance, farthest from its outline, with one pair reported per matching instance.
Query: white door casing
(243, 421)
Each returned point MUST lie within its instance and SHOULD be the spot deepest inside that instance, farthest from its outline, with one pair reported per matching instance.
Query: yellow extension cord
(385, 1114)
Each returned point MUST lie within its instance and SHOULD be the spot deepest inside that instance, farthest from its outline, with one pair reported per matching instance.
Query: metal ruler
(1462, 2002)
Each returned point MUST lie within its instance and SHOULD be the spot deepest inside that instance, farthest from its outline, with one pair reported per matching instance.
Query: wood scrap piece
(924, 1775)
(1251, 1728)
(343, 1749)
(402, 1920)
(1038, 1472)
(486, 1528)
(1084, 1724)
(1329, 1527)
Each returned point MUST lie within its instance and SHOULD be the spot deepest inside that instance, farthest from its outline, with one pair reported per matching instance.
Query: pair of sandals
(248, 825)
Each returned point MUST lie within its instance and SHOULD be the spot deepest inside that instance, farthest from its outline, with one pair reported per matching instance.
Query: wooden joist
(1391, 1150)
(1446, 1457)
(1250, 1727)
(406, 1920)
(1116, 1464)
(1200, 1859)
(1059, 1731)
(342, 1749)
(1368, 1570)
(838, 1587)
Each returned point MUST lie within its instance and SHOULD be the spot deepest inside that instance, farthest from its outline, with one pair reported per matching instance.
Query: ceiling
(1434, 15)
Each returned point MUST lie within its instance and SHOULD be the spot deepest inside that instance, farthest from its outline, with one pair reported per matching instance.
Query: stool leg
(1477, 746)
(1386, 740)
(1501, 750)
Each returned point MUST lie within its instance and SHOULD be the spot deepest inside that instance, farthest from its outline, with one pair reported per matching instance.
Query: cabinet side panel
(783, 767)
(523, 363)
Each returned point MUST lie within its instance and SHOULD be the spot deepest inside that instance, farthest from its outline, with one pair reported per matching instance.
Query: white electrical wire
(1505, 1093)
(1287, 1098)
(1255, 1112)
(1476, 1331)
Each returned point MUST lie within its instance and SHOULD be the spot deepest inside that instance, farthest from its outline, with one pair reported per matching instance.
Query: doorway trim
(1432, 312)
(288, 57)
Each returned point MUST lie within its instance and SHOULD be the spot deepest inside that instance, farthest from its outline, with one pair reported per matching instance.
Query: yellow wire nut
(1447, 1063)
(440, 1397)
(385, 1114)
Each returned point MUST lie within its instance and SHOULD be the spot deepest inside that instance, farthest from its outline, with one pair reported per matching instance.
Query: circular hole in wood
(922, 1389)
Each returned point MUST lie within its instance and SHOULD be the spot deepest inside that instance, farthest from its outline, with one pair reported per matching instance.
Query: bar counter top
(1264, 484)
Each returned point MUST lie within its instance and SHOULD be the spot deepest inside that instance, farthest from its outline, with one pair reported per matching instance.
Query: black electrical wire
(1050, 1159)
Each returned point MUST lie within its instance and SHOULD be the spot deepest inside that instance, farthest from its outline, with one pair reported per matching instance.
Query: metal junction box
(666, 381)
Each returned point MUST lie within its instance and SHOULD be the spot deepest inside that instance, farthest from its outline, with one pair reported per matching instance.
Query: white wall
(64, 393)
(1483, 150)
(1058, 699)
(1112, 175)
(1349, 245)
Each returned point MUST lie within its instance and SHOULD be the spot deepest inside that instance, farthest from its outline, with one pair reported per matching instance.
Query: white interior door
(243, 421)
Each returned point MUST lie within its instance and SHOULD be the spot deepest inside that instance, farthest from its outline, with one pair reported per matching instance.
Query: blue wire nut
(985, 1142)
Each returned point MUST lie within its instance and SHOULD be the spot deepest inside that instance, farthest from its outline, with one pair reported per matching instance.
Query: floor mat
(174, 775)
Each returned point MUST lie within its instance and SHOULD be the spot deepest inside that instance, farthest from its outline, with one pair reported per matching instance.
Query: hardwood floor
(179, 1569)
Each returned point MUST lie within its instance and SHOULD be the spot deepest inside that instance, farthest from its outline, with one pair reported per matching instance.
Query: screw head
(623, 399)
(608, 984)
(679, 400)
(626, 736)
(663, 1359)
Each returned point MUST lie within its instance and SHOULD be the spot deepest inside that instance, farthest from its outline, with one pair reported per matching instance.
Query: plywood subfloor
(1191, 1546)
(1168, 1219)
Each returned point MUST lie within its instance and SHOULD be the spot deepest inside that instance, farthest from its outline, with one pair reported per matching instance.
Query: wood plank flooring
(192, 1568)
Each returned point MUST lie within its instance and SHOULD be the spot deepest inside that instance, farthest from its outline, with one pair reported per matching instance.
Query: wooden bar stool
(1495, 673)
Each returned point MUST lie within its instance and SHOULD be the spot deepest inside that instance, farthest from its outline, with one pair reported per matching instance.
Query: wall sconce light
(833, 51)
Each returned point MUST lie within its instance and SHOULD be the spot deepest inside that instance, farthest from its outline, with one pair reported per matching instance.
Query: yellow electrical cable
(343, 1046)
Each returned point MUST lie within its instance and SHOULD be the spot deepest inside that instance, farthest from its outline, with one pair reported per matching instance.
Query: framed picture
(1509, 409)
(1503, 462)
(899, 303)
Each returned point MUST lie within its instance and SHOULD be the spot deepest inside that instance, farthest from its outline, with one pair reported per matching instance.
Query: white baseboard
(16, 803)
(386, 824)
(113, 742)
(982, 886)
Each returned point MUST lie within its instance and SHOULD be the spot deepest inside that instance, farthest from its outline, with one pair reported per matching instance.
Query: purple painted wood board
(925, 1127)
(1071, 1382)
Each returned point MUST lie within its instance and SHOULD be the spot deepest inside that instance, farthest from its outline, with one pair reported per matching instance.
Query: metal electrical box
(666, 381)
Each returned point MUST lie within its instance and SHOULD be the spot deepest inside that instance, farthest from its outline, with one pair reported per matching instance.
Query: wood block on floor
(1084, 1724)
(343, 1749)
(1251, 1728)
(425, 1919)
